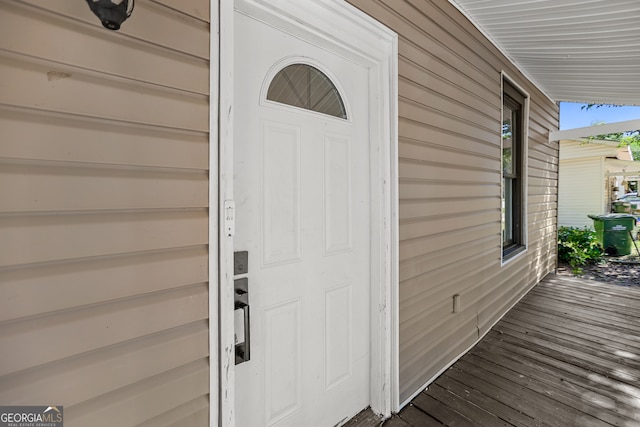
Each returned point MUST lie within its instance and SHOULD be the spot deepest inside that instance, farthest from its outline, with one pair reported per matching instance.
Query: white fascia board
(585, 132)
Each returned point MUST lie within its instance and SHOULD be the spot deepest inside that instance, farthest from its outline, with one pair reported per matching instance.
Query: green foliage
(578, 247)
(624, 139)
(507, 151)
(633, 141)
(590, 106)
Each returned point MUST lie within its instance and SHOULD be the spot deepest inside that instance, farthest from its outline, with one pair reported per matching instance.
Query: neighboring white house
(592, 174)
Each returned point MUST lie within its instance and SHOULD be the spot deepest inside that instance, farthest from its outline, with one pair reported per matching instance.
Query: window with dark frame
(512, 170)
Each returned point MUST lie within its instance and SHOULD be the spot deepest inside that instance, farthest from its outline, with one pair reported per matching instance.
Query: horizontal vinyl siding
(581, 191)
(575, 150)
(450, 183)
(104, 213)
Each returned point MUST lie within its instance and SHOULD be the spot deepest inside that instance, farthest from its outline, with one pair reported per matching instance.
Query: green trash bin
(621, 207)
(613, 231)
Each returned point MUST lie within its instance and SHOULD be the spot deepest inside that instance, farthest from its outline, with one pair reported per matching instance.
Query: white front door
(302, 192)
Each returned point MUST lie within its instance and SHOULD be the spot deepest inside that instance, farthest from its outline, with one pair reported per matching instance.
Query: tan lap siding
(104, 212)
(449, 168)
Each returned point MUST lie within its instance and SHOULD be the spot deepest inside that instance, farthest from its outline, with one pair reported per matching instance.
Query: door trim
(348, 32)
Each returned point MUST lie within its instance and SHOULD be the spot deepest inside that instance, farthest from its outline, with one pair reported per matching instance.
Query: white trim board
(347, 31)
(585, 132)
(226, 351)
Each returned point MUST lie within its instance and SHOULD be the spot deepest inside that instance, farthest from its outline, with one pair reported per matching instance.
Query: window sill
(511, 253)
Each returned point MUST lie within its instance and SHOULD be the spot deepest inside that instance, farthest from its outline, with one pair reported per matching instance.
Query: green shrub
(578, 247)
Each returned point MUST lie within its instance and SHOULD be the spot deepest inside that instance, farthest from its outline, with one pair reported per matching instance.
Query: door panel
(281, 228)
(337, 194)
(282, 360)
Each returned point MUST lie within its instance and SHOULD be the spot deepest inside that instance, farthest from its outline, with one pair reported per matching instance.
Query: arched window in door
(304, 86)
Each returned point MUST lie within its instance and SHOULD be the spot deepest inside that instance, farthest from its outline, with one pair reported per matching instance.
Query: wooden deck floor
(567, 355)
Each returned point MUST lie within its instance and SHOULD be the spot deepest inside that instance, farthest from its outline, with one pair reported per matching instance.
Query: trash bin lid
(611, 216)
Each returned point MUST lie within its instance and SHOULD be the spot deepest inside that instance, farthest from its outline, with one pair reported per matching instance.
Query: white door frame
(345, 30)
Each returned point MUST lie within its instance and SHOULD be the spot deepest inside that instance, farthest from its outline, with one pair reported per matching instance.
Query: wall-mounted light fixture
(112, 13)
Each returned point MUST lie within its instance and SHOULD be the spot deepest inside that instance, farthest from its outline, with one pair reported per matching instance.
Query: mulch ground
(623, 272)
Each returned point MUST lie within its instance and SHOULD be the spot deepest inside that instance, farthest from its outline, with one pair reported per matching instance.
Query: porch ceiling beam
(588, 131)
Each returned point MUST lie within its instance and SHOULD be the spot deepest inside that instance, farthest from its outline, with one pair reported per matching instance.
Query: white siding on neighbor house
(581, 191)
(104, 212)
(584, 187)
(583, 149)
(450, 185)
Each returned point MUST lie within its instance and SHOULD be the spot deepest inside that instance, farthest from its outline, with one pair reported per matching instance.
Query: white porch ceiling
(574, 50)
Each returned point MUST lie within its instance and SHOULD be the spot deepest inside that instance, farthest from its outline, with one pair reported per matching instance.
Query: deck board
(569, 371)
(567, 355)
(596, 333)
(443, 411)
(365, 418)
(577, 384)
(492, 404)
(461, 405)
(416, 417)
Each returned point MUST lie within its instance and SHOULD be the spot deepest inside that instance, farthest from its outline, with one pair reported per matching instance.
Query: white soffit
(574, 50)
